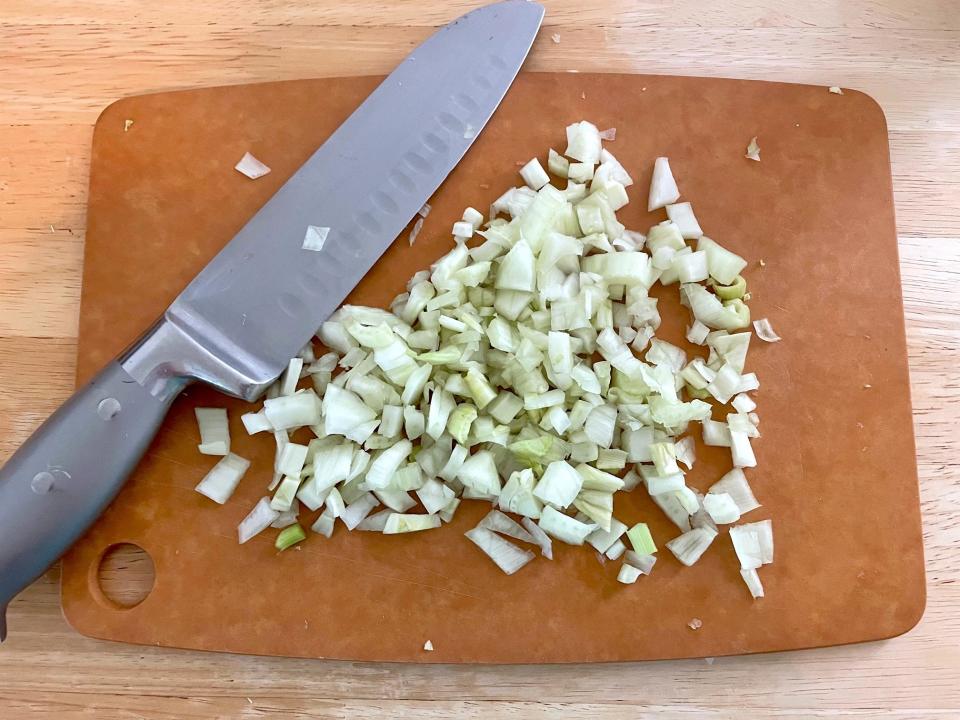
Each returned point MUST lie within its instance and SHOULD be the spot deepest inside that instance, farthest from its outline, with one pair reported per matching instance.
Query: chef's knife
(260, 300)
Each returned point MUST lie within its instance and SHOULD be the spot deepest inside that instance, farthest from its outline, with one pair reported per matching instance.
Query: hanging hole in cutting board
(125, 575)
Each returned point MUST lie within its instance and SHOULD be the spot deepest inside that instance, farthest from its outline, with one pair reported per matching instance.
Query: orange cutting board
(836, 461)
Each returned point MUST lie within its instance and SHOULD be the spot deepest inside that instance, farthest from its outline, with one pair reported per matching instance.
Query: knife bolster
(167, 357)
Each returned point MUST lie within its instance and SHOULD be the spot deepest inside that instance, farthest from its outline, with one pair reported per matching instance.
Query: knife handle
(68, 471)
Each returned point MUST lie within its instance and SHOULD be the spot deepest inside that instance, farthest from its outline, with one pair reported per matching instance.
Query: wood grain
(62, 61)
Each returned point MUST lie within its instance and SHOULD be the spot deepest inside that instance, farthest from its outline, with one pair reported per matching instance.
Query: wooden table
(62, 61)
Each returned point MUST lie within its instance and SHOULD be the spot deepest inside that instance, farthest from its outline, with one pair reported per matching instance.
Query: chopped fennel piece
(637, 443)
(335, 507)
(721, 508)
(324, 525)
(399, 523)
(691, 545)
(595, 479)
(681, 214)
(289, 537)
(563, 527)
(752, 580)
(434, 495)
(299, 410)
(504, 553)
(460, 422)
(447, 513)
(539, 401)
(697, 333)
(441, 405)
(610, 134)
(583, 142)
(628, 574)
(284, 496)
(505, 407)
(415, 230)
(643, 563)
(765, 330)
(673, 509)
(480, 388)
(836, 90)
(715, 433)
(691, 267)
(258, 520)
(743, 404)
(408, 477)
(288, 381)
(428, 646)
(474, 217)
(616, 550)
(661, 484)
(603, 540)
(451, 467)
(315, 238)
(630, 480)
(695, 624)
(746, 544)
(396, 500)
(500, 523)
(223, 478)
(726, 384)
(597, 506)
(764, 530)
(663, 188)
(611, 459)
(214, 431)
(287, 517)
(748, 382)
(479, 473)
(685, 450)
(664, 456)
(725, 266)
(424, 210)
(539, 537)
(311, 495)
(248, 164)
(291, 460)
(255, 422)
(534, 175)
(689, 500)
(559, 486)
(743, 423)
(357, 511)
(557, 163)
(641, 540)
(732, 348)
(741, 451)
(580, 172)
(517, 495)
(462, 229)
(735, 484)
(753, 150)
(376, 522)
(600, 424)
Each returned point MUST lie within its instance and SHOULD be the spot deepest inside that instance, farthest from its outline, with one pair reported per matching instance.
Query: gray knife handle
(68, 471)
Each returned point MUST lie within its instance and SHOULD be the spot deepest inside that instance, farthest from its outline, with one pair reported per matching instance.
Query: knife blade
(364, 183)
(261, 299)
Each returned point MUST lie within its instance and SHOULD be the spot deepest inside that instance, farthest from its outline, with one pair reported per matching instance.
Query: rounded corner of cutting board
(291, 116)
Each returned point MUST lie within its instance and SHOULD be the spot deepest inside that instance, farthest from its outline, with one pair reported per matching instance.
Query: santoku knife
(260, 300)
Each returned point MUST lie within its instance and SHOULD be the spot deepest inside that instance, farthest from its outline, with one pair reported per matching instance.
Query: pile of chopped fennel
(523, 370)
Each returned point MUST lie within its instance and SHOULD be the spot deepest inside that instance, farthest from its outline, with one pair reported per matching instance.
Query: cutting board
(836, 468)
